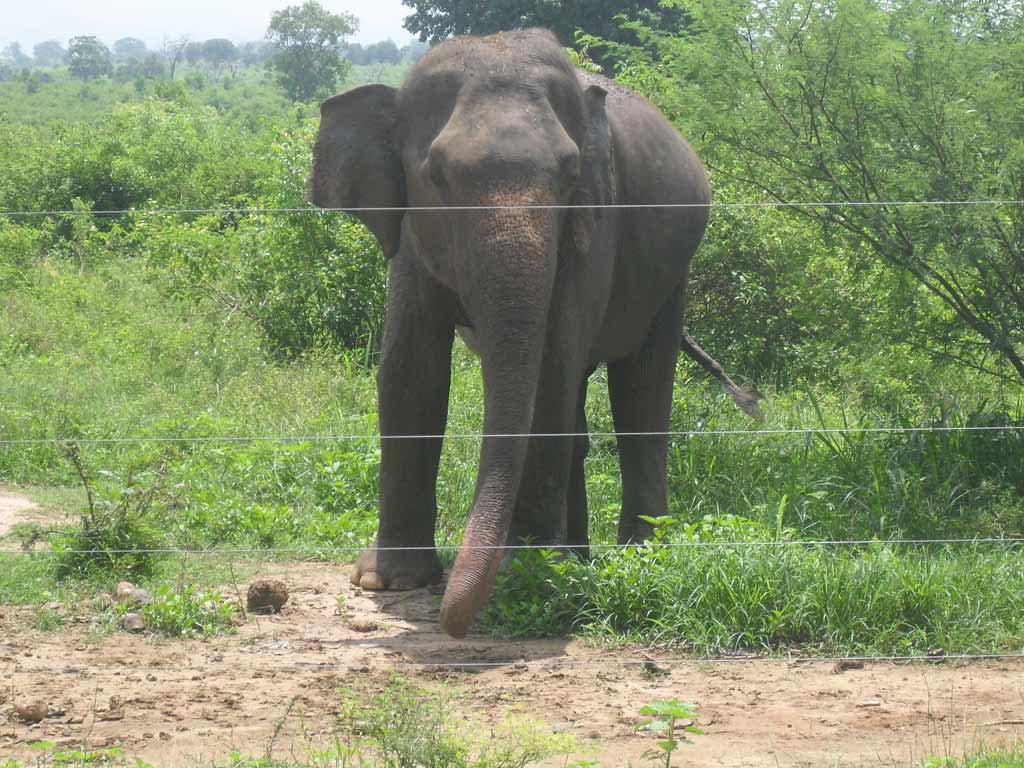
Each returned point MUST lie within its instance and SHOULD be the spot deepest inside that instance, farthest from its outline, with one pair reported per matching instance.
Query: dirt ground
(14, 509)
(272, 688)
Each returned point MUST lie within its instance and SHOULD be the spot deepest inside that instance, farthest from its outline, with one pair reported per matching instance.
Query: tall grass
(116, 351)
(769, 596)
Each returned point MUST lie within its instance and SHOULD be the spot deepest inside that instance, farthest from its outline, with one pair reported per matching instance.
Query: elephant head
(502, 132)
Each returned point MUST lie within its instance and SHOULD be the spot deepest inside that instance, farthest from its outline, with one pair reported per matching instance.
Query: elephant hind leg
(640, 387)
(576, 495)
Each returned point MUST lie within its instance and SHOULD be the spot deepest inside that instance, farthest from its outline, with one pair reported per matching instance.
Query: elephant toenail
(372, 581)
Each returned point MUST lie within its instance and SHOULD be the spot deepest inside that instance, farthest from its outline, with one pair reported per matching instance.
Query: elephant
(519, 201)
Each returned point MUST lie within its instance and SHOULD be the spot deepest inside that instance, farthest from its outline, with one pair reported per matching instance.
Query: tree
(876, 101)
(88, 58)
(310, 40)
(194, 53)
(256, 53)
(384, 52)
(434, 20)
(152, 67)
(173, 51)
(50, 53)
(414, 50)
(219, 52)
(16, 56)
(129, 48)
(355, 53)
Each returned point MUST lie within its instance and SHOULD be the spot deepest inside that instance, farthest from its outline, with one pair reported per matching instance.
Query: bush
(116, 533)
(185, 612)
(407, 725)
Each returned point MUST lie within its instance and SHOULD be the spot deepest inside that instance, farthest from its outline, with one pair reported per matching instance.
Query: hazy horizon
(154, 20)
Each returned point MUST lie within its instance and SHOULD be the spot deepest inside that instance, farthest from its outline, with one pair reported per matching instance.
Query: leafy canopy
(129, 48)
(49, 53)
(88, 58)
(310, 40)
(435, 20)
(879, 101)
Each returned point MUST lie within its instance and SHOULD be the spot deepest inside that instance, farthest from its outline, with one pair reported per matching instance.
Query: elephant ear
(596, 185)
(356, 162)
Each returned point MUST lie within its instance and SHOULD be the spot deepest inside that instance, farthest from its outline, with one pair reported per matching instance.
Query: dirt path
(13, 509)
(173, 702)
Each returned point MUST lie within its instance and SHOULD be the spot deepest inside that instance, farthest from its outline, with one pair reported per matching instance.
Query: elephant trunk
(506, 280)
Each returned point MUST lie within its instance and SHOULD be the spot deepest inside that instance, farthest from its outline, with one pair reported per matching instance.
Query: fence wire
(257, 211)
(692, 544)
(806, 431)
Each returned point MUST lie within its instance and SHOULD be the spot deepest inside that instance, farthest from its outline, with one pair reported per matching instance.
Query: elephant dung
(267, 596)
(33, 712)
(133, 622)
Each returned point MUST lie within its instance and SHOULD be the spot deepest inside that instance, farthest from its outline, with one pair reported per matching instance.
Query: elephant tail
(747, 401)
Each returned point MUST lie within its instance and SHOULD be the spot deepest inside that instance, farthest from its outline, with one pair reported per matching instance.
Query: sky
(33, 21)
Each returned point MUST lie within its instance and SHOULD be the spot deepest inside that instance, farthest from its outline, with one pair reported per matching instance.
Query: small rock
(33, 712)
(267, 596)
(363, 625)
(650, 667)
(869, 703)
(844, 665)
(123, 591)
(133, 622)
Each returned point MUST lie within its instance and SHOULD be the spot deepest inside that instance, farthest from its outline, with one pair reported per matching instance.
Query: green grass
(101, 368)
(770, 598)
(984, 758)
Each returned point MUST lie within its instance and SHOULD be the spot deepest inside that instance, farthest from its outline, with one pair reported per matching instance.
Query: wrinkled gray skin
(543, 295)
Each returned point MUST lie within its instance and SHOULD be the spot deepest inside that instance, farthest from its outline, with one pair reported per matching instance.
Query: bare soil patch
(15, 508)
(273, 686)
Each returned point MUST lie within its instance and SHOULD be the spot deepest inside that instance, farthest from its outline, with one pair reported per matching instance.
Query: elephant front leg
(412, 390)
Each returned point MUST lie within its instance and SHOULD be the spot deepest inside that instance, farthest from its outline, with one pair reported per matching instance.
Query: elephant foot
(396, 569)
(634, 530)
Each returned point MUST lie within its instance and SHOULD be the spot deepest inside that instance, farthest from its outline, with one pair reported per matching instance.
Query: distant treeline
(130, 57)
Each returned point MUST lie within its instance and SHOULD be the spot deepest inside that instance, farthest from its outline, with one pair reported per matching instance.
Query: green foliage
(733, 587)
(1012, 757)
(663, 718)
(127, 48)
(48, 620)
(533, 595)
(49, 53)
(88, 58)
(309, 39)
(858, 100)
(219, 51)
(407, 725)
(384, 52)
(435, 20)
(185, 612)
(116, 531)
